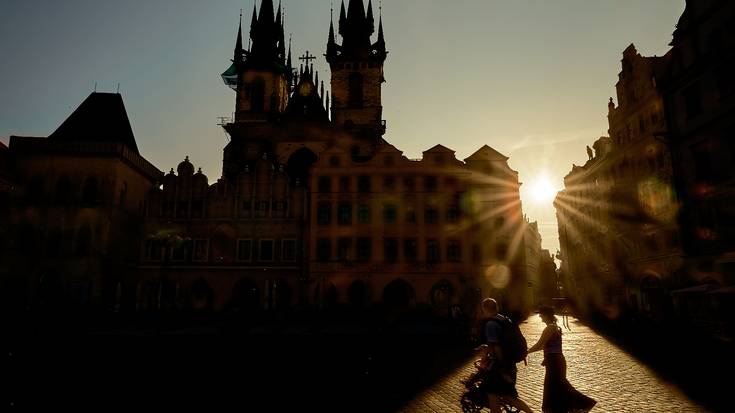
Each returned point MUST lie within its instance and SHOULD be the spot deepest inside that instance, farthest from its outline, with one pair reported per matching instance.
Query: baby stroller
(475, 398)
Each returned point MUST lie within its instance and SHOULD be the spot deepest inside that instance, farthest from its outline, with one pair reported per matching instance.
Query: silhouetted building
(73, 218)
(313, 207)
(617, 225)
(699, 96)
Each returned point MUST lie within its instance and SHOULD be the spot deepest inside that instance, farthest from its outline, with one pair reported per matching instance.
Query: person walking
(559, 395)
(500, 379)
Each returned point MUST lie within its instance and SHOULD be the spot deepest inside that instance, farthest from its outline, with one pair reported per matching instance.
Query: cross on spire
(306, 57)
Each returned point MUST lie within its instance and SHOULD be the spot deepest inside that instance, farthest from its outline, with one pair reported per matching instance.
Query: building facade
(699, 98)
(313, 207)
(617, 213)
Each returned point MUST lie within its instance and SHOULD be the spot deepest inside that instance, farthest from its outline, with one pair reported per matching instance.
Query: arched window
(84, 241)
(63, 190)
(258, 95)
(123, 193)
(90, 191)
(35, 190)
(356, 92)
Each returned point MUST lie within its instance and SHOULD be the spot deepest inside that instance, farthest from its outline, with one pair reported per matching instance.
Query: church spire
(238, 42)
(370, 20)
(380, 44)
(342, 20)
(331, 43)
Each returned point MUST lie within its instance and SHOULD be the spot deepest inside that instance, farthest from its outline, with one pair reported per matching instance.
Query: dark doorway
(245, 296)
(299, 164)
(398, 295)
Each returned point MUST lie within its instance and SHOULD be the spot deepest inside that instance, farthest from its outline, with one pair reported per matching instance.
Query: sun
(542, 191)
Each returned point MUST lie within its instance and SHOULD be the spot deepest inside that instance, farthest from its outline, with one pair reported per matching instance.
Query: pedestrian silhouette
(559, 395)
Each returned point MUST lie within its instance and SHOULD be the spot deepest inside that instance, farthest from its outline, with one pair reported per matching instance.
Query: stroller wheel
(468, 404)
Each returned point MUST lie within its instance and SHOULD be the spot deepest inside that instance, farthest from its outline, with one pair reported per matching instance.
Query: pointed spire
(288, 62)
(266, 12)
(342, 20)
(327, 105)
(253, 22)
(316, 78)
(381, 40)
(238, 42)
(280, 36)
(370, 20)
(322, 90)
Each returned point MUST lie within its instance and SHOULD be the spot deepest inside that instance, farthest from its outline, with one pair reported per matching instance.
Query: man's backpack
(512, 342)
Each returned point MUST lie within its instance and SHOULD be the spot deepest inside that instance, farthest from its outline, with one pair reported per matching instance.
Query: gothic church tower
(357, 72)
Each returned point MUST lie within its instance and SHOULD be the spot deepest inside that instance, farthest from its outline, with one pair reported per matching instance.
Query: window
(344, 184)
(454, 251)
(501, 251)
(363, 184)
(499, 222)
(432, 251)
(35, 190)
(201, 250)
(363, 214)
(410, 249)
(153, 250)
(702, 162)
(324, 213)
(323, 249)
(84, 241)
(247, 205)
(389, 183)
(344, 249)
(364, 249)
(390, 213)
(476, 254)
(325, 184)
(355, 89)
(692, 102)
(90, 191)
(334, 161)
(257, 95)
(452, 212)
(245, 250)
(288, 250)
(430, 183)
(390, 250)
(344, 214)
(179, 252)
(265, 250)
(409, 184)
(410, 215)
(63, 190)
(432, 215)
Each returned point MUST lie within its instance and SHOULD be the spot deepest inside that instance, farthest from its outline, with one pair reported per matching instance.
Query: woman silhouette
(559, 395)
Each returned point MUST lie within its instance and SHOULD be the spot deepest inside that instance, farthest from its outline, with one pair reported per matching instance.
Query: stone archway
(245, 296)
(357, 295)
(280, 295)
(202, 295)
(398, 295)
(441, 296)
(299, 164)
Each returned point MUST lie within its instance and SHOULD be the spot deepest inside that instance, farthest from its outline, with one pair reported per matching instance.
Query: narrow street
(596, 367)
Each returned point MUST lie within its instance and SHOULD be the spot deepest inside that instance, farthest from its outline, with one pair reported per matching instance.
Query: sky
(530, 78)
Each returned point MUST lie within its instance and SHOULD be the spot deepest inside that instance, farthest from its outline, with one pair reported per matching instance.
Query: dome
(185, 168)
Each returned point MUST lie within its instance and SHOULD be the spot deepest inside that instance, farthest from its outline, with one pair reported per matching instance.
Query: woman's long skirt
(559, 395)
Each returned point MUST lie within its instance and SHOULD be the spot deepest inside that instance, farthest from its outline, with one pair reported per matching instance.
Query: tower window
(355, 85)
(257, 97)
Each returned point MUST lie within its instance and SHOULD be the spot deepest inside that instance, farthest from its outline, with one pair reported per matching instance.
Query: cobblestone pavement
(595, 367)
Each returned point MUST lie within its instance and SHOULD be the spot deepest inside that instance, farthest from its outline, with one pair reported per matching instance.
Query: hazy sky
(531, 78)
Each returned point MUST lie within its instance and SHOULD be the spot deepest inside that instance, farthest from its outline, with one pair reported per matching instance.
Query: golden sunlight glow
(542, 191)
